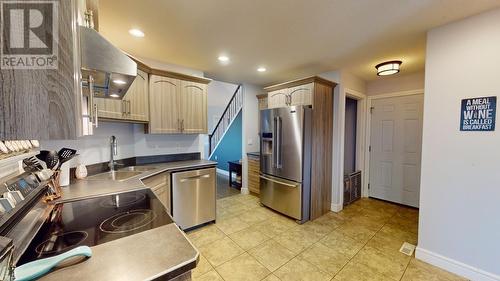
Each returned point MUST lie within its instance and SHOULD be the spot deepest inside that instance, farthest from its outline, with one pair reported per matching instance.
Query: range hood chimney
(112, 70)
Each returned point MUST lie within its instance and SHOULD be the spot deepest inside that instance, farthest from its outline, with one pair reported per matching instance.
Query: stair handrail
(222, 118)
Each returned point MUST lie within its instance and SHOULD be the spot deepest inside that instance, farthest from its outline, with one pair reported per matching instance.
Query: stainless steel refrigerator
(285, 160)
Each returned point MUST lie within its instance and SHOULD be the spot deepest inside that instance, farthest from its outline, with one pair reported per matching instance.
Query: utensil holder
(54, 188)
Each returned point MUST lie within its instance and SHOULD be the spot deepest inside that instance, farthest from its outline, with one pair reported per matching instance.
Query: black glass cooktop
(95, 221)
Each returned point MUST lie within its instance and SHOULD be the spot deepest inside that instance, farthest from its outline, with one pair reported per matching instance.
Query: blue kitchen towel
(35, 269)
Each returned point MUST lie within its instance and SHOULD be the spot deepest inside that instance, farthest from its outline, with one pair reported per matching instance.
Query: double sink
(122, 174)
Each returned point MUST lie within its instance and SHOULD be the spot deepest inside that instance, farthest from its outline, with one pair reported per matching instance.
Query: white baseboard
(467, 271)
(245, 190)
(336, 207)
(222, 172)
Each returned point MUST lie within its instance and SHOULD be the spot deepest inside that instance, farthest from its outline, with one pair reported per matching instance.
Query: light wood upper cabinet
(193, 107)
(110, 108)
(301, 95)
(293, 96)
(164, 98)
(278, 98)
(136, 101)
(262, 99)
(177, 106)
(133, 107)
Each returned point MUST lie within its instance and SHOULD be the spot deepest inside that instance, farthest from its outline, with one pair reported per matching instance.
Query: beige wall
(397, 83)
(460, 182)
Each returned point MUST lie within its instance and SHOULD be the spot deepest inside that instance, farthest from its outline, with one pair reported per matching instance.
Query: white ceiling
(292, 38)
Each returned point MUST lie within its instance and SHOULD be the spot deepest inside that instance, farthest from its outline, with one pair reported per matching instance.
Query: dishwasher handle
(206, 176)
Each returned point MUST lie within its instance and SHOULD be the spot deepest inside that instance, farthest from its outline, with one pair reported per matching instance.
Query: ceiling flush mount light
(136, 32)
(223, 59)
(119, 82)
(388, 67)
(261, 69)
(114, 95)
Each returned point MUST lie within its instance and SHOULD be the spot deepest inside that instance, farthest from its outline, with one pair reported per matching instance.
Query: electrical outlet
(250, 141)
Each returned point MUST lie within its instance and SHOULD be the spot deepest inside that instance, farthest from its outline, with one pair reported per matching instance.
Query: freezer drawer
(193, 197)
(281, 195)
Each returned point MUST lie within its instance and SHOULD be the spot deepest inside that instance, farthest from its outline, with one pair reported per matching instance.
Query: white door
(396, 148)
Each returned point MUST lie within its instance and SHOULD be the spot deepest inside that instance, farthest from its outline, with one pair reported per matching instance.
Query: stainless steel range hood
(113, 71)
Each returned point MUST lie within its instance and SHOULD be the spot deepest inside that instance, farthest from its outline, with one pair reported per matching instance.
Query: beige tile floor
(251, 242)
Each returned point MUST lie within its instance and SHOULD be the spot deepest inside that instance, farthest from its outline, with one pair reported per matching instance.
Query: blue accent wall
(230, 146)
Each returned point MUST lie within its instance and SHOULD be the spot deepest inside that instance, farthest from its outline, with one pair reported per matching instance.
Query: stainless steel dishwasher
(193, 197)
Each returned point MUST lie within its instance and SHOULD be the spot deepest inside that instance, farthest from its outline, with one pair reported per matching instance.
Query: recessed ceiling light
(114, 96)
(223, 58)
(136, 32)
(261, 69)
(388, 67)
(119, 82)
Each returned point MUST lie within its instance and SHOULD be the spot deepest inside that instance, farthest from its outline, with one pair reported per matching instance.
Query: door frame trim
(338, 143)
(366, 178)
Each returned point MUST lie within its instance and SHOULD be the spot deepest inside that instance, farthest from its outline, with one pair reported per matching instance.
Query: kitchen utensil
(32, 164)
(51, 158)
(65, 155)
(38, 268)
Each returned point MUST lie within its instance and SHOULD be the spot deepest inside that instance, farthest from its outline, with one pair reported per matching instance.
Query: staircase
(232, 109)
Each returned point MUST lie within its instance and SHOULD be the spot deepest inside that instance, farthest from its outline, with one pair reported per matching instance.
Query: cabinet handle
(91, 106)
(182, 125)
(96, 117)
(129, 107)
(124, 107)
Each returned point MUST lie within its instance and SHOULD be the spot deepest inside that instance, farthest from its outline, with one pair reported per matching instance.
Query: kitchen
(114, 158)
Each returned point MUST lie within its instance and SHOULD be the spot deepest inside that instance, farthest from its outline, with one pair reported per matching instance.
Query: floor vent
(407, 249)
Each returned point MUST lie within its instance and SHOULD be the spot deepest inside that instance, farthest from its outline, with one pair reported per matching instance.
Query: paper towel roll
(64, 177)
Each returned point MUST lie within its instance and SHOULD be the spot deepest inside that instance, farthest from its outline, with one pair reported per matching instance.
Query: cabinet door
(301, 95)
(136, 100)
(110, 108)
(164, 105)
(254, 175)
(263, 103)
(277, 98)
(193, 107)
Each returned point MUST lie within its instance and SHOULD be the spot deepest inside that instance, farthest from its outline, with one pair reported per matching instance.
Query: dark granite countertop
(87, 188)
(161, 253)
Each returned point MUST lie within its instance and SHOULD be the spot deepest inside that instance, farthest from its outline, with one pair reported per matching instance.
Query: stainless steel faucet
(113, 152)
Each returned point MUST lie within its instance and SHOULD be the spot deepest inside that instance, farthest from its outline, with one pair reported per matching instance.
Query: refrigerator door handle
(275, 143)
(278, 144)
(279, 182)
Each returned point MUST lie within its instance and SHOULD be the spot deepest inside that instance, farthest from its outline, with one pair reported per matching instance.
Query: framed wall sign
(478, 114)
